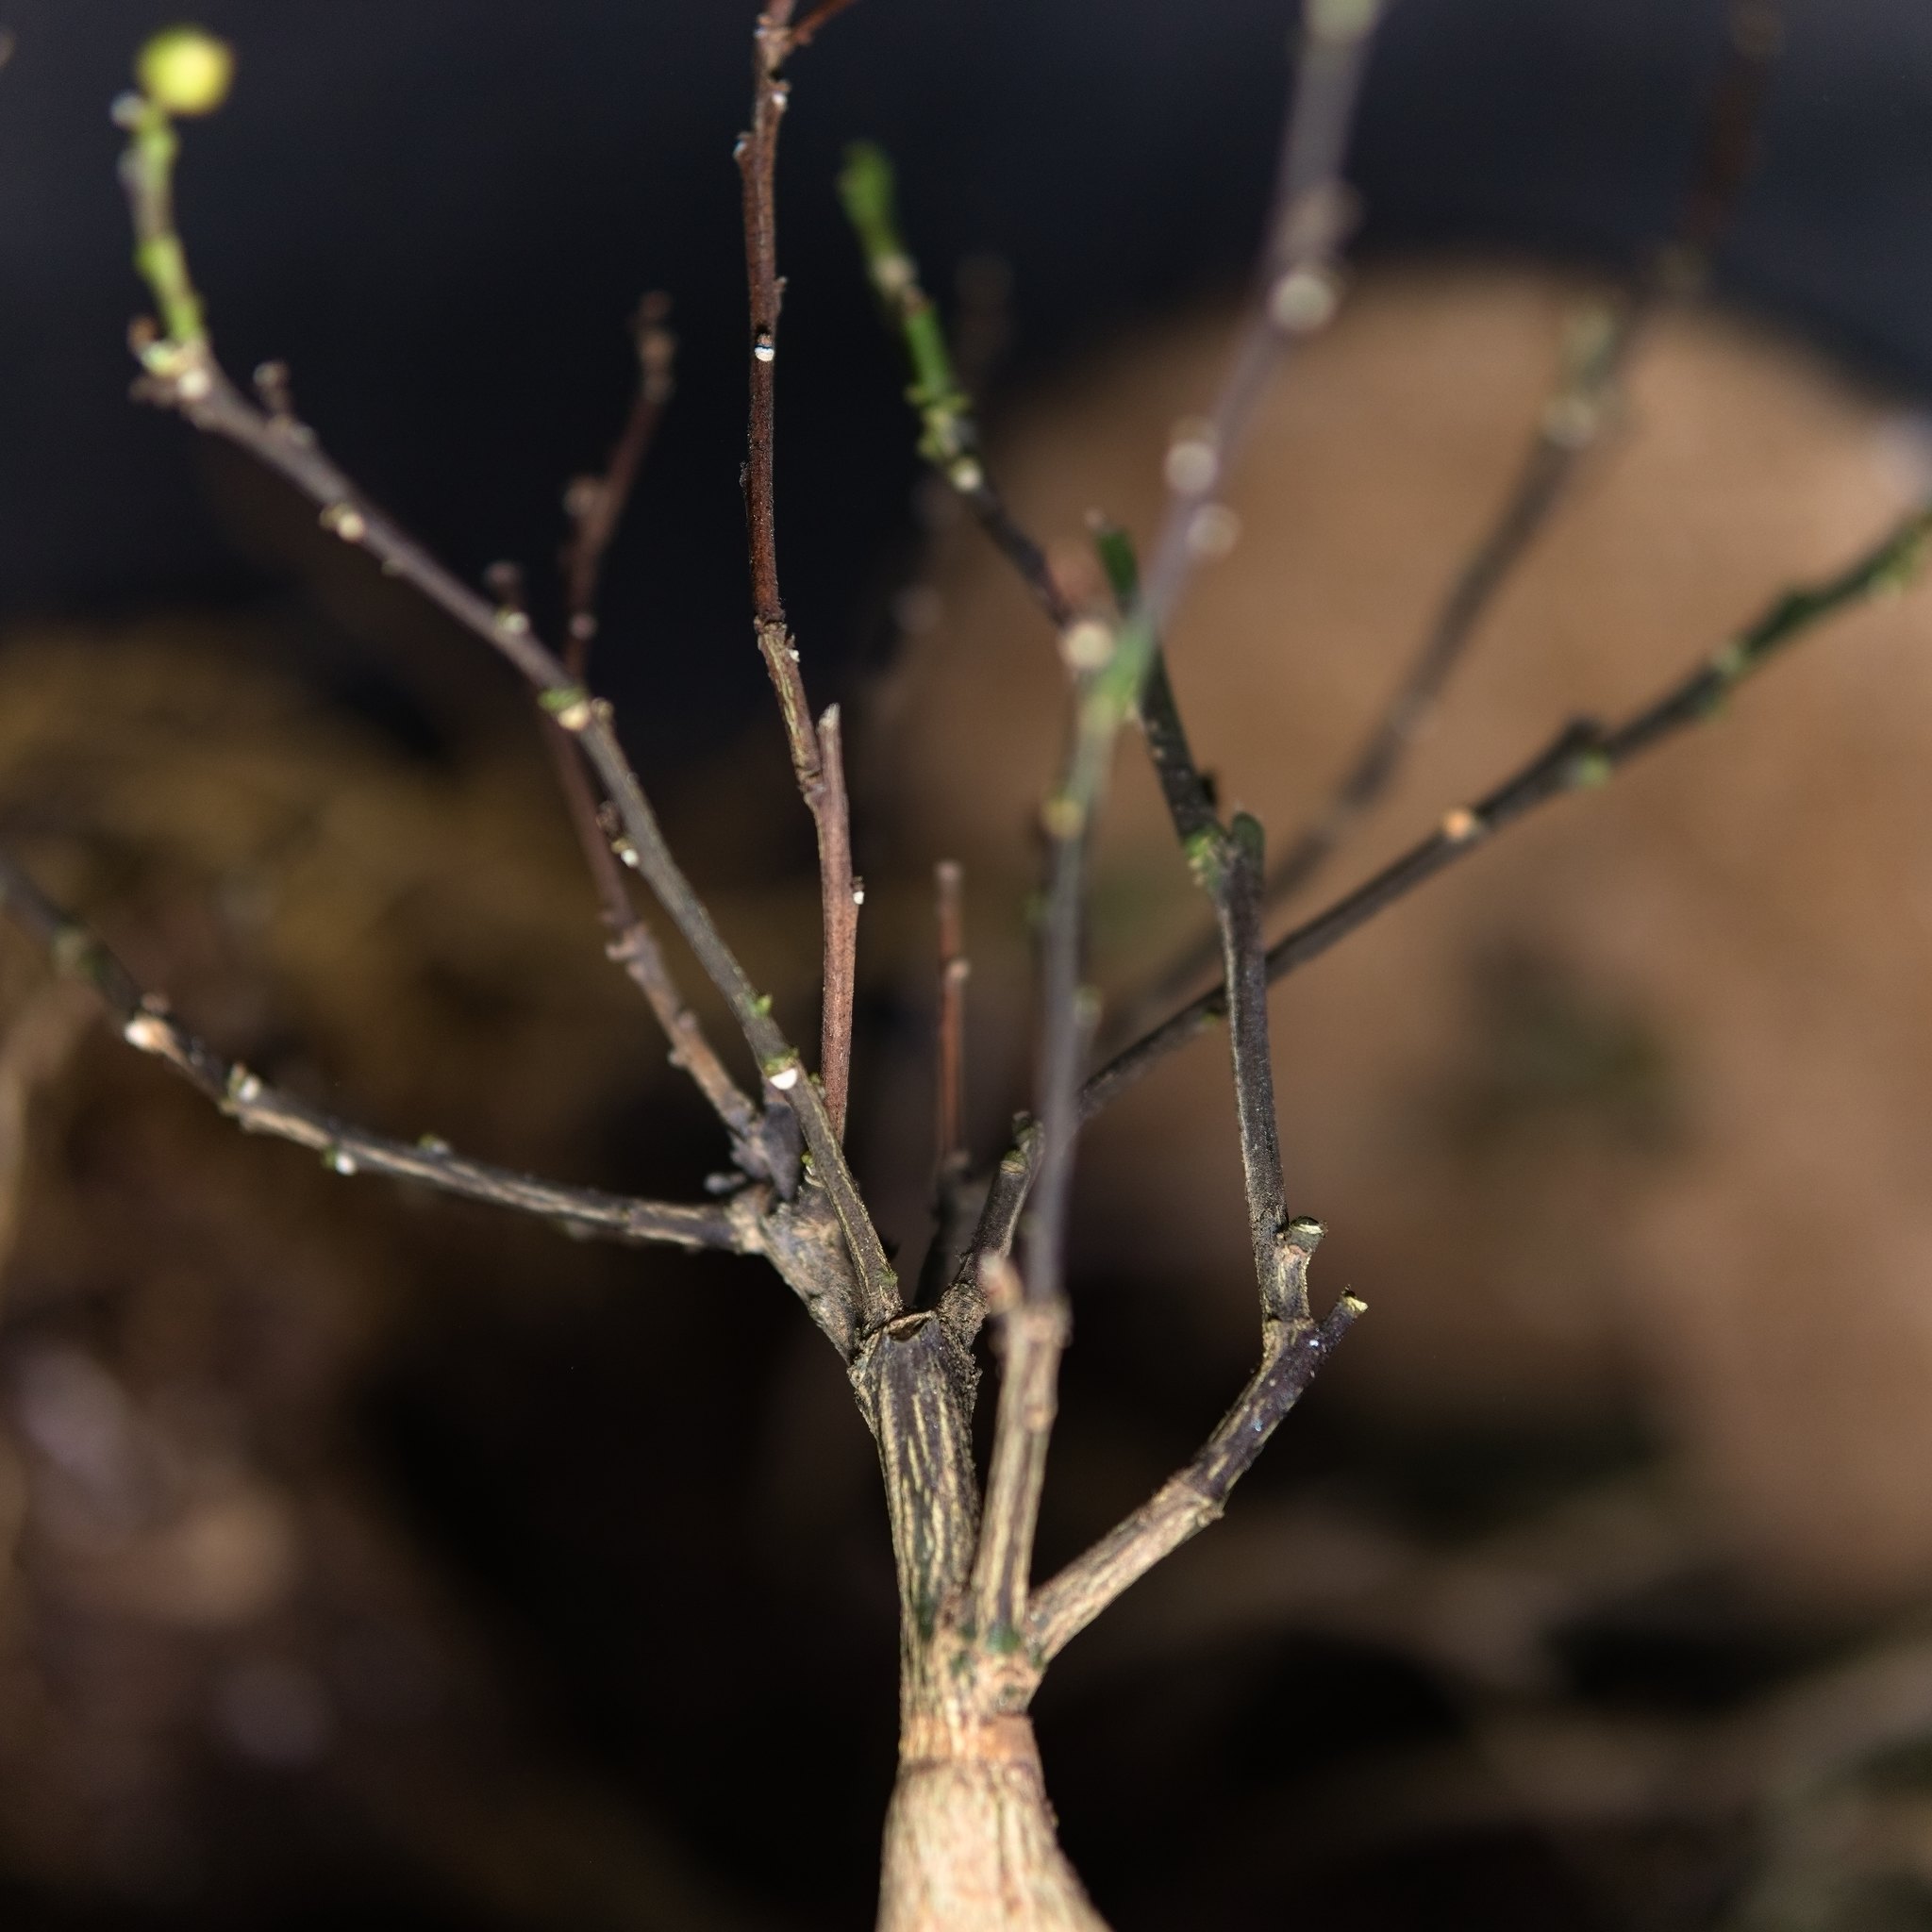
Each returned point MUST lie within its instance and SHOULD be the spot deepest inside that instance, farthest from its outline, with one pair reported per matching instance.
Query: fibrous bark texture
(970, 1839)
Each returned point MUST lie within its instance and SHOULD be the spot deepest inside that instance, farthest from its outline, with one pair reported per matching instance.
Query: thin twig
(1226, 861)
(949, 434)
(808, 29)
(595, 506)
(1187, 793)
(1297, 296)
(963, 1307)
(259, 1107)
(1234, 882)
(956, 1201)
(817, 769)
(182, 373)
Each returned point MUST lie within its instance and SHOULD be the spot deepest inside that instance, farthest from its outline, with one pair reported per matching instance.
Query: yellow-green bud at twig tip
(186, 70)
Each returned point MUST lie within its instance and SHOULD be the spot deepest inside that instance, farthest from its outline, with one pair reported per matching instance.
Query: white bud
(1192, 464)
(1087, 645)
(1214, 532)
(785, 1078)
(1303, 300)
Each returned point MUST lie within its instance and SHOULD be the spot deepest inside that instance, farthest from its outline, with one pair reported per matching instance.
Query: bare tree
(970, 1839)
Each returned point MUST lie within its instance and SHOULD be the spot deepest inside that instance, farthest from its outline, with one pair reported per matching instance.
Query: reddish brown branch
(595, 505)
(820, 16)
(817, 767)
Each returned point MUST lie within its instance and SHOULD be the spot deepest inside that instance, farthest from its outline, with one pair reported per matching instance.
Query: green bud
(186, 70)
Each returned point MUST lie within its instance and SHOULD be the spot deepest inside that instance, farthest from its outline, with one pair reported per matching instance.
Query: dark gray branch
(259, 1107)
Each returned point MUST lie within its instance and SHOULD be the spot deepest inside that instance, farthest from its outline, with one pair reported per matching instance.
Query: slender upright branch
(1297, 296)
(595, 505)
(1184, 788)
(1234, 882)
(259, 1107)
(815, 764)
(1226, 862)
(183, 374)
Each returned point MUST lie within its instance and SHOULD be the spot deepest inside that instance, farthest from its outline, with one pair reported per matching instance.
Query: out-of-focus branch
(1568, 429)
(1032, 1335)
(37, 1040)
(595, 505)
(1112, 667)
(259, 1107)
(1601, 344)
(949, 1135)
(1584, 754)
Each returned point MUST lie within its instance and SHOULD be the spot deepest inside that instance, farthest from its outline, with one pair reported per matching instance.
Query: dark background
(440, 214)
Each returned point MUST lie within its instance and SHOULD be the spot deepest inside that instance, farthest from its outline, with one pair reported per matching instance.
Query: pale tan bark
(970, 1839)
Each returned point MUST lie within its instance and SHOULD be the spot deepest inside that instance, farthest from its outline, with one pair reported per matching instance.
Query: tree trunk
(970, 1839)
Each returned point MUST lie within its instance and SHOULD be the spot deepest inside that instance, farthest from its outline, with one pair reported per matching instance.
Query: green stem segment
(147, 169)
(867, 190)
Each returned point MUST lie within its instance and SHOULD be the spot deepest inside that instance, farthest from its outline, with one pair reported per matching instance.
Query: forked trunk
(969, 1840)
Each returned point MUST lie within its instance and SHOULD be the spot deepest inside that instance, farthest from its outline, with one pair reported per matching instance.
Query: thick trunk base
(970, 1839)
